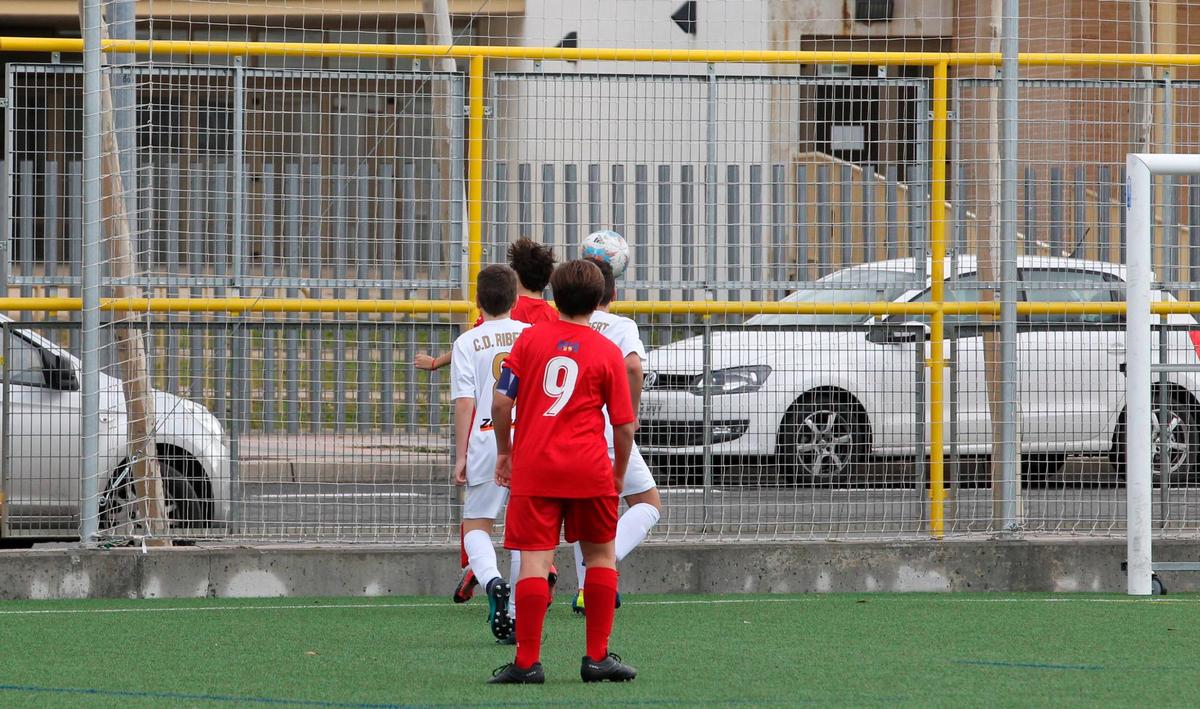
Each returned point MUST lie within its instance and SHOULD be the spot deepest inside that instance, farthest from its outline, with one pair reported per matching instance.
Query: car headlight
(734, 380)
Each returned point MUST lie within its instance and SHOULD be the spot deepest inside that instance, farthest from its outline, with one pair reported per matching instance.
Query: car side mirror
(59, 373)
(898, 333)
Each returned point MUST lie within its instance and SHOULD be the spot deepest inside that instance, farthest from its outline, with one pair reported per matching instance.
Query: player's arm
(502, 407)
(464, 416)
(633, 370)
(430, 364)
(618, 400)
(622, 444)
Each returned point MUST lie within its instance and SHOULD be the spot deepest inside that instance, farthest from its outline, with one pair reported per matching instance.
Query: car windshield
(854, 285)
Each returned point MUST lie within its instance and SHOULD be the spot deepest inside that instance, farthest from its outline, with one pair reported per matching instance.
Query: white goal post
(1139, 175)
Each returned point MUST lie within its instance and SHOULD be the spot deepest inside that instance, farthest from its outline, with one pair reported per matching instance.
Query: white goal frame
(1140, 169)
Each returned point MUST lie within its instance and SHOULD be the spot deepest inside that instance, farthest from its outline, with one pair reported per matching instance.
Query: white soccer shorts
(637, 475)
(484, 501)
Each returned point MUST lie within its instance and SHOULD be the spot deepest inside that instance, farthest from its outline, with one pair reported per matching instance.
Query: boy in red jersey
(558, 470)
(533, 264)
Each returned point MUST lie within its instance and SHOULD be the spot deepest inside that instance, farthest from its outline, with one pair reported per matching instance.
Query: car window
(1049, 285)
(24, 364)
(852, 285)
(963, 289)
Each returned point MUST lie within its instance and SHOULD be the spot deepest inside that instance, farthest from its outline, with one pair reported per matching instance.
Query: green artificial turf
(950, 650)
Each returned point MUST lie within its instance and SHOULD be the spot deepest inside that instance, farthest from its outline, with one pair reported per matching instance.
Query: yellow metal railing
(937, 309)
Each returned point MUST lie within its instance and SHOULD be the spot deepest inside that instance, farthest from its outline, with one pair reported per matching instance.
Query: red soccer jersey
(529, 310)
(567, 373)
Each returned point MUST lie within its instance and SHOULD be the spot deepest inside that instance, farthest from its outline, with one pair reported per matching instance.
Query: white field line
(811, 598)
(334, 495)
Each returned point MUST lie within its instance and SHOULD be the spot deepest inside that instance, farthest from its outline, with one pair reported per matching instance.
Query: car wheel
(1182, 441)
(186, 506)
(822, 440)
(1037, 469)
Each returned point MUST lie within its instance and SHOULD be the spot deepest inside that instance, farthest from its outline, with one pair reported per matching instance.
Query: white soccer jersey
(474, 367)
(624, 334)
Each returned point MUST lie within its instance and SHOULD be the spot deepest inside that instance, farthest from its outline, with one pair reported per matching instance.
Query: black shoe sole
(501, 621)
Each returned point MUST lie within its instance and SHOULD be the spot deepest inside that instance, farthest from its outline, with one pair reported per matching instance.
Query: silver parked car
(44, 441)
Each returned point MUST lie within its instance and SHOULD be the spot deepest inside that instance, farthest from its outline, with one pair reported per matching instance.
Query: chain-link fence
(799, 403)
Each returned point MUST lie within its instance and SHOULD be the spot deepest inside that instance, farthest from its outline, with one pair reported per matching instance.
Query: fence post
(89, 500)
(475, 177)
(937, 247)
(1009, 449)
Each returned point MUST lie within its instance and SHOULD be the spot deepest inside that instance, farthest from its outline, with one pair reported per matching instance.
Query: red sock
(600, 599)
(533, 597)
(462, 549)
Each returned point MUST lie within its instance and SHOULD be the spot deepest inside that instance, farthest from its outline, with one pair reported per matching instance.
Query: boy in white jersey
(640, 491)
(475, 366)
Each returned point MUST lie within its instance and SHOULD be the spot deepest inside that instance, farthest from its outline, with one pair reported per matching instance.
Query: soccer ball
(607, 246)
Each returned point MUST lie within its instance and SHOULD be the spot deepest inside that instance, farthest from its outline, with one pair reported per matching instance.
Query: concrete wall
(1034, 565)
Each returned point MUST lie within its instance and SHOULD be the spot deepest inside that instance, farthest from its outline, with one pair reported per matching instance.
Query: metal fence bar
(1103, 225)
(845, 208)
(779, 225)
(804, 269)
(687, 217)
(664, 228)
(341, 235)
(733, 229)
(1029, 225)
(525, 199)
(618, 199)
(500, 211)
(548, 205)
(387, 238)
(756, 230)
(891, 193)
(593, 197)
(314, 196)
(293, 225)
(1056, 211)
(50, 220)
(641, 227)
(25, 221)
(571, 202)
(824, 220)
(1193, 189)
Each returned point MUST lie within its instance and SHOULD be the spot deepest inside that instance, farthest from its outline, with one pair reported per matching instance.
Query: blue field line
(1030, 665)
(322, 704)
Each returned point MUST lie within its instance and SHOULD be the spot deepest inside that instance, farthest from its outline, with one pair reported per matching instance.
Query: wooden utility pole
(438, 31)
(131, 350)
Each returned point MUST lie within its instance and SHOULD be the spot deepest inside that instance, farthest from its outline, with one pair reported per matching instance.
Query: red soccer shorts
(533, 523)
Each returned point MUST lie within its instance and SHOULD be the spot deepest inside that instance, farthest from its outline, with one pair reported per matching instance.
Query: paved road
(426, 512)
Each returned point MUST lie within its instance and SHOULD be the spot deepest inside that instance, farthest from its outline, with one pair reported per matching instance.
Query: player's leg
(577, 604)
(593, 523)
(464, 590)
(641, 494)
(532, 527)
(483, 504)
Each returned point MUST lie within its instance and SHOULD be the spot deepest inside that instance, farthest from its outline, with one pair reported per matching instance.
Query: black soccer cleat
(511, 674)
(466, 587)
(552, 581)
(499, 620)
(610, 669)
(510, 639)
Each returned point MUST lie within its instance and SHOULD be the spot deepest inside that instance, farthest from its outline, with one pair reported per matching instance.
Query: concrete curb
(1035, 565)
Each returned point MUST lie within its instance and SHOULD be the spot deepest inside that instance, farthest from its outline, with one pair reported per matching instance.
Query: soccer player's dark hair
(533, 263)
(578, 287)
(496, 289)
(610, 281)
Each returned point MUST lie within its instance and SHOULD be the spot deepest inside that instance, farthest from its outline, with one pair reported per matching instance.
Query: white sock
(580, 571)
(514, 573)
(481, 555)
(633, 527)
